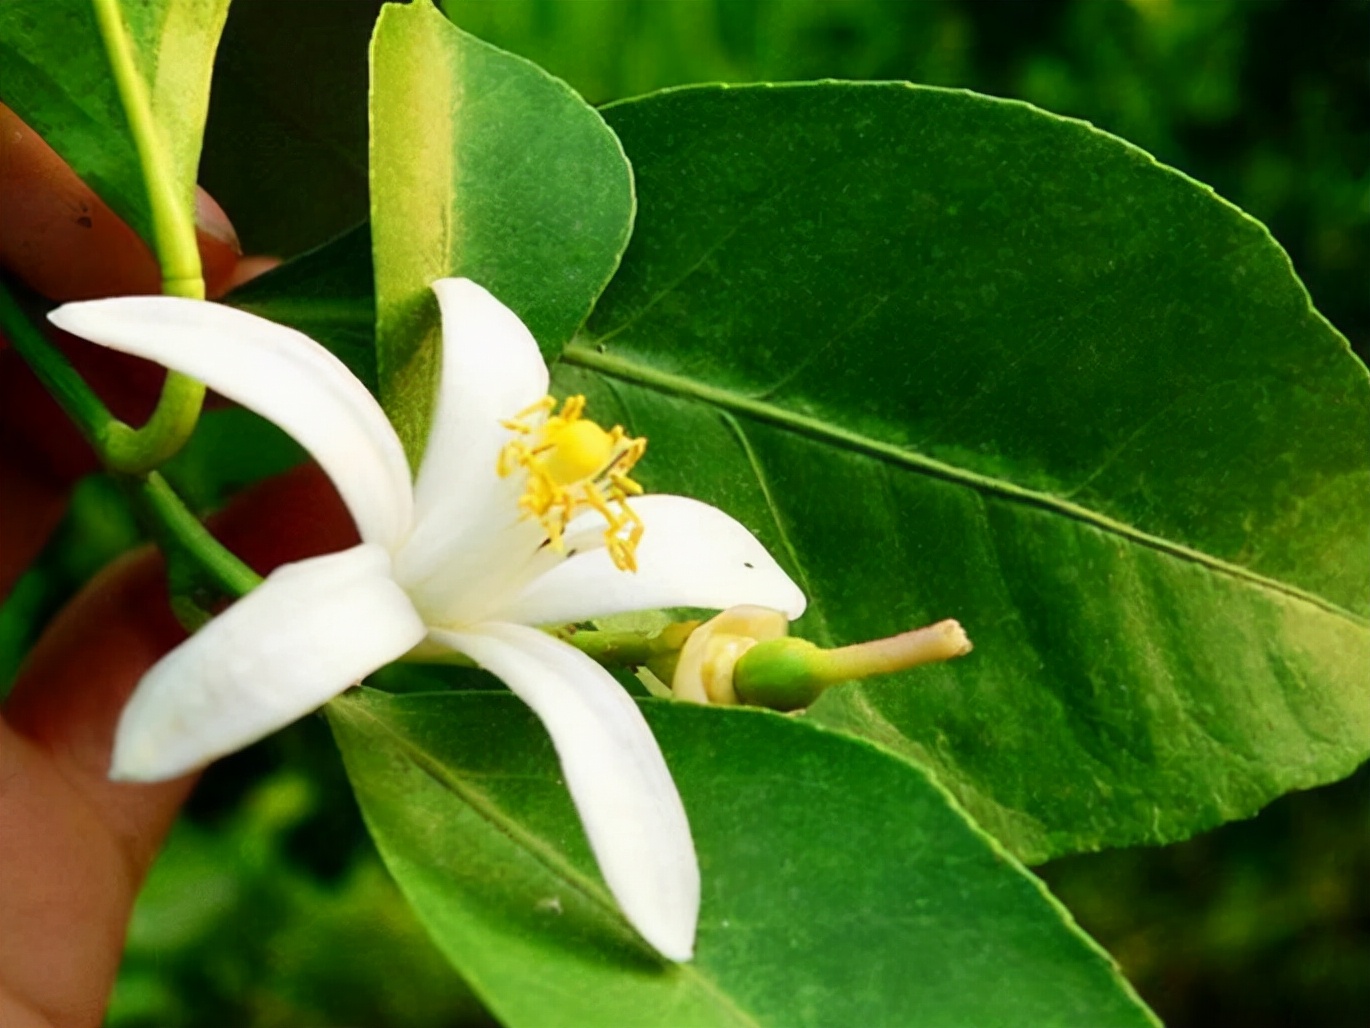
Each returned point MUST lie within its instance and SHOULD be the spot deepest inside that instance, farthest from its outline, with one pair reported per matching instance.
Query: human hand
(74, 846)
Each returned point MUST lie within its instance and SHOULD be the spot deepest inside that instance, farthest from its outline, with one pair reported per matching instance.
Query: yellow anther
(574, 464)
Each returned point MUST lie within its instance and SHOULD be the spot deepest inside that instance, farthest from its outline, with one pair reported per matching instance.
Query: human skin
(74, 846)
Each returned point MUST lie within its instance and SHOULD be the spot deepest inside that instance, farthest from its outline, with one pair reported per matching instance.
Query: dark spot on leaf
(84, 221)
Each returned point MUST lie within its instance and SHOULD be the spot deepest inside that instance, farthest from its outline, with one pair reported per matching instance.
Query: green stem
(136, 451)
(628, 649)
(173, 226)
(60, 379)
(180, 531)
(128, 450)
(121, 449)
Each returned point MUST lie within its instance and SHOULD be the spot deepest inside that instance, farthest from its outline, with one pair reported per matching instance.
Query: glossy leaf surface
(840, 885)
(328, 295)
(56, 74)
(953, 356)
(483, 166)
(286, 138)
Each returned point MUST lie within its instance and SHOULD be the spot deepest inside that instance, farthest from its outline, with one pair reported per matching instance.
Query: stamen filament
(573, 464)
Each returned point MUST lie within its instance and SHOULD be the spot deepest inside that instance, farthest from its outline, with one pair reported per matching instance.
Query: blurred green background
(269, 907)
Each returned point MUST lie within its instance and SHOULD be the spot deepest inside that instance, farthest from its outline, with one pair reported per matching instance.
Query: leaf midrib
(588, 356)
(540, 852)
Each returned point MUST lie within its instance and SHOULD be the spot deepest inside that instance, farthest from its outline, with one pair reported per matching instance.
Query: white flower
(466, 558)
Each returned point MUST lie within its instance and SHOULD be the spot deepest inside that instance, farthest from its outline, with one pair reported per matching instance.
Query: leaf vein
(546, 855)
(815, 602)
(491, 813)
(722, 398)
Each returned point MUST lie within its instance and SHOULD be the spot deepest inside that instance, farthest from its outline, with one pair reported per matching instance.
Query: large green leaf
(328, 295)
(286, 137)
(56, 73)
(841, 886)
(485, 166)
(953, 356)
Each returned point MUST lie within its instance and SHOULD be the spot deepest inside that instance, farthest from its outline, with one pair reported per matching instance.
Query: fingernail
(213, 222)
(249, 268)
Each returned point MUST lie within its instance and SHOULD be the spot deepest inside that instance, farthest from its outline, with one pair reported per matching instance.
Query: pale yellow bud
(704, 673)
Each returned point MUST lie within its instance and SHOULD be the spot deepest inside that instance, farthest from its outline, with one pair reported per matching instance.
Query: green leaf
(483, 166)
(328, 295)
(841, 886)
(955, 357)
(232, 449)
(286, 138)
(232, 927)
(123, 103)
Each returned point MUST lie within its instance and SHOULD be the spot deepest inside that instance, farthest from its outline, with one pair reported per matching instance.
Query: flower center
(573, 464)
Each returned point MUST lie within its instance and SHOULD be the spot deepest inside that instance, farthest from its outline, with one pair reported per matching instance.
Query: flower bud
(704, 672)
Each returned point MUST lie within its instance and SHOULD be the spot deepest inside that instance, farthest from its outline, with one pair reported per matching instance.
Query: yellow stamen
(574, 464)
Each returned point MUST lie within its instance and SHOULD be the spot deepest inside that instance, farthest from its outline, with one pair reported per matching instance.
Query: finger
(249, 268)
(74, 846)
(73, 852)
(67, 892)
(74, 684)
(64, 242)
(125, 609)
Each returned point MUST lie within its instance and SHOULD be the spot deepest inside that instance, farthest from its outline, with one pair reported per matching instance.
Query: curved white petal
(300, 638)
(614, 770)
(491, 372)
(462, 589)
(691, 555)
(279, 373)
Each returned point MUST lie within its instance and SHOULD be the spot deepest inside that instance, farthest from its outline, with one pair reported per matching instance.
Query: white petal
(614, 770)
(491, 372)
(691, 555)
(300, 638)
(279, 373)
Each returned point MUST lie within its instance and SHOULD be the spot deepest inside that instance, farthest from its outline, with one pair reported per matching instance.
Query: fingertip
(218, 242)
(213, 224)
(245, 271)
